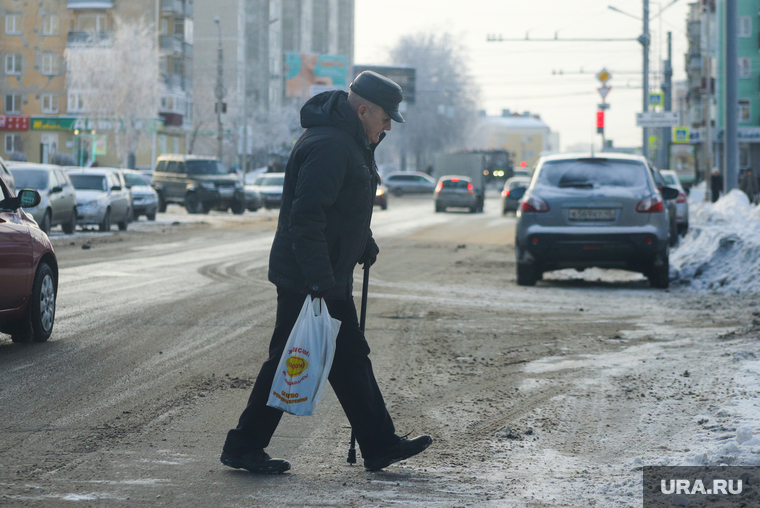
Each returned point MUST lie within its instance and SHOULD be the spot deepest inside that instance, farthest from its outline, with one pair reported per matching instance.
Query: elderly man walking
(322, 233)
(748, 184)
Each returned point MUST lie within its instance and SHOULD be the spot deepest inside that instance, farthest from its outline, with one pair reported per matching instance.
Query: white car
(682, 204)
(101, 199)
(144, 197)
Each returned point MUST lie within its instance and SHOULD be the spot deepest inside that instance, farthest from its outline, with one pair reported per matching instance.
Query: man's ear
(362, 110)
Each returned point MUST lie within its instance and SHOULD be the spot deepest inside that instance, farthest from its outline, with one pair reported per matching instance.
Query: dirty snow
(721, 251)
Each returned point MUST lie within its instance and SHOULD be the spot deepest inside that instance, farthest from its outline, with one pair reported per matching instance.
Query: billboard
(404, 76)
(309, 74)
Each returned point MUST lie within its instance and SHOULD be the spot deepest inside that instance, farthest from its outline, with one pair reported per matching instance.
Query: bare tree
(118, 78)
(204, 114)
(446, 97)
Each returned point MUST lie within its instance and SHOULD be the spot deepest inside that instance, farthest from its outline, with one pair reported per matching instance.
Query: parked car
(144, 197)
(584, 211)
(508, 202)
(381, 197)
(670, 207)
(199, 183)
(101, 199)
(269, 186)
(28, 269)
(58, 203)
(407, 182)
(5, 173)
(682, 204)
(455, 191)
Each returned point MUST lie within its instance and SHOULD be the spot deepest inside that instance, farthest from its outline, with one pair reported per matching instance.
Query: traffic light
(600, 122)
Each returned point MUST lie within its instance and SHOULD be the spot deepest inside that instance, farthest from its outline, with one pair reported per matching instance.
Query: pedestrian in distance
(322, 234)
(716, 184)
(748, 185)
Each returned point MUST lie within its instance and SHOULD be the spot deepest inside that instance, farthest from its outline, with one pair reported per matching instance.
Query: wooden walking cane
(362, 322)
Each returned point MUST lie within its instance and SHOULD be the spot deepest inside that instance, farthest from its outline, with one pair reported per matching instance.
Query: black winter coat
(327, 201)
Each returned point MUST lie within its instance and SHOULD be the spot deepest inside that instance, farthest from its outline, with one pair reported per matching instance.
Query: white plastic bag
(306, 361)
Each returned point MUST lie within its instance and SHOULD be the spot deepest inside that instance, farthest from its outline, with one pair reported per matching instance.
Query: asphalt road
(160, 331)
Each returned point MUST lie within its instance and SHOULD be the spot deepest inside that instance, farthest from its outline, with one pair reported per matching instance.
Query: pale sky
(518, 75)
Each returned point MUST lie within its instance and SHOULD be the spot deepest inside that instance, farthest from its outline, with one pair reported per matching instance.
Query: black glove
(317, 294)
(371, 250)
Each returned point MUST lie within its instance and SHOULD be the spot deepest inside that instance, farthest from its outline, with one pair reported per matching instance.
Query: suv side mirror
(55, 189)
(116, 188)
(517, 193)
(669, 193)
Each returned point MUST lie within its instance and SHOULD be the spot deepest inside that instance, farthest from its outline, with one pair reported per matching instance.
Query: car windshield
(270, 180)
(134, 180)
(592, 172)
(208, 167)
(88, 182)
(30, 178)
(455, 184)
(669, 179)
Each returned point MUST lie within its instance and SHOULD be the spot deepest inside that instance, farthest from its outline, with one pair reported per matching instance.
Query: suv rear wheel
(659, 273)
(526, 274)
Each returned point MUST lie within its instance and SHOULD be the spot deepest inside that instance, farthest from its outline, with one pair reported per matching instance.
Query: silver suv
(588, 210)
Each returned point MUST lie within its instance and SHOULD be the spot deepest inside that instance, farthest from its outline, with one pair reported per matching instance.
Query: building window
(76, 102)
(13, 103)
(13, 64)
(179, 27)
(745, 67)
(13, 24)
(745, 26)
(12, 143)
(164, 26)
(50, 64)
(49, 103)
(51, 25)
(91, 22)
(744, 110)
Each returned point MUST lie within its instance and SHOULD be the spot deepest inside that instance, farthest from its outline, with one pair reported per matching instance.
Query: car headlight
(208, 185)
(379, 192)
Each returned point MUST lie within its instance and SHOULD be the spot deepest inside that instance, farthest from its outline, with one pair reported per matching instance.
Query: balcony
(82, 38)
(175, 81)
(89, 4)
(178, 7)
(188, 49)
(171, 43)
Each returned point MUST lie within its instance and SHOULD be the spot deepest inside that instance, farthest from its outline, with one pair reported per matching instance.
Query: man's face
(374, 121)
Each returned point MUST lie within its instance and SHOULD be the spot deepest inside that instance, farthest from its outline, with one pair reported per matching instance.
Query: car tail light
(439, 187)
(681, 197)
(455, 180)
(505, 193)
(534, 204)
(652, 204)
(469, 188)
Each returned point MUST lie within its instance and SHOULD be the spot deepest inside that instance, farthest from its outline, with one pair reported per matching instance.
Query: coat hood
(332, 109)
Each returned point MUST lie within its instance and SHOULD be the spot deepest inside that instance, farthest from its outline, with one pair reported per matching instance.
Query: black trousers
(351, 378)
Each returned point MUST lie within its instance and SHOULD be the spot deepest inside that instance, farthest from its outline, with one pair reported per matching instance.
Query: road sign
(658, 119)
(654, 143)
(655, 99)
(680, 134)
(603, 106)
(604, 76)
(603, 91)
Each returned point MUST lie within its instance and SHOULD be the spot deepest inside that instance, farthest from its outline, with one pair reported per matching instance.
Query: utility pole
(644, 40)
(732, 69)
(707, 96)
(667, 87)
(220, 92)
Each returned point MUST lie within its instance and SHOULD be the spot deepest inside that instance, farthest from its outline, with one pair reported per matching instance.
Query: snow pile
(721, 251)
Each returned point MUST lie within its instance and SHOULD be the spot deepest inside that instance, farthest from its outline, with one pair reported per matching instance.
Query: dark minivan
(199, 183)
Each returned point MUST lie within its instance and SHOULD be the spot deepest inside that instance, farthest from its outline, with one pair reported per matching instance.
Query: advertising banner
(309, 74)
(14, 123)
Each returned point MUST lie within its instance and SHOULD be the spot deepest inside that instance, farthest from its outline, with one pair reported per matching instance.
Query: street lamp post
(220, 92)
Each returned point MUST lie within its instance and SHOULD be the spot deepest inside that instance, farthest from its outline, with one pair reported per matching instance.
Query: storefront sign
(44, 123)
(14, 123)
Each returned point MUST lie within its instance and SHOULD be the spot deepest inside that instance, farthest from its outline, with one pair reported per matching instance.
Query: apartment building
(42, 117)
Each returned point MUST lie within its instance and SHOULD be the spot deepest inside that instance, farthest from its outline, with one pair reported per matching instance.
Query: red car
(28, 270)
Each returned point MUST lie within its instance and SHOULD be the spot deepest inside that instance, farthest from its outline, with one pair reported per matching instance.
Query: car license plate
(226, 191)
(592, 214)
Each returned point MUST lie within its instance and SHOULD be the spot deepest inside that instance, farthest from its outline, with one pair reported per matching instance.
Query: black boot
(404, 449)
(258, 462)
